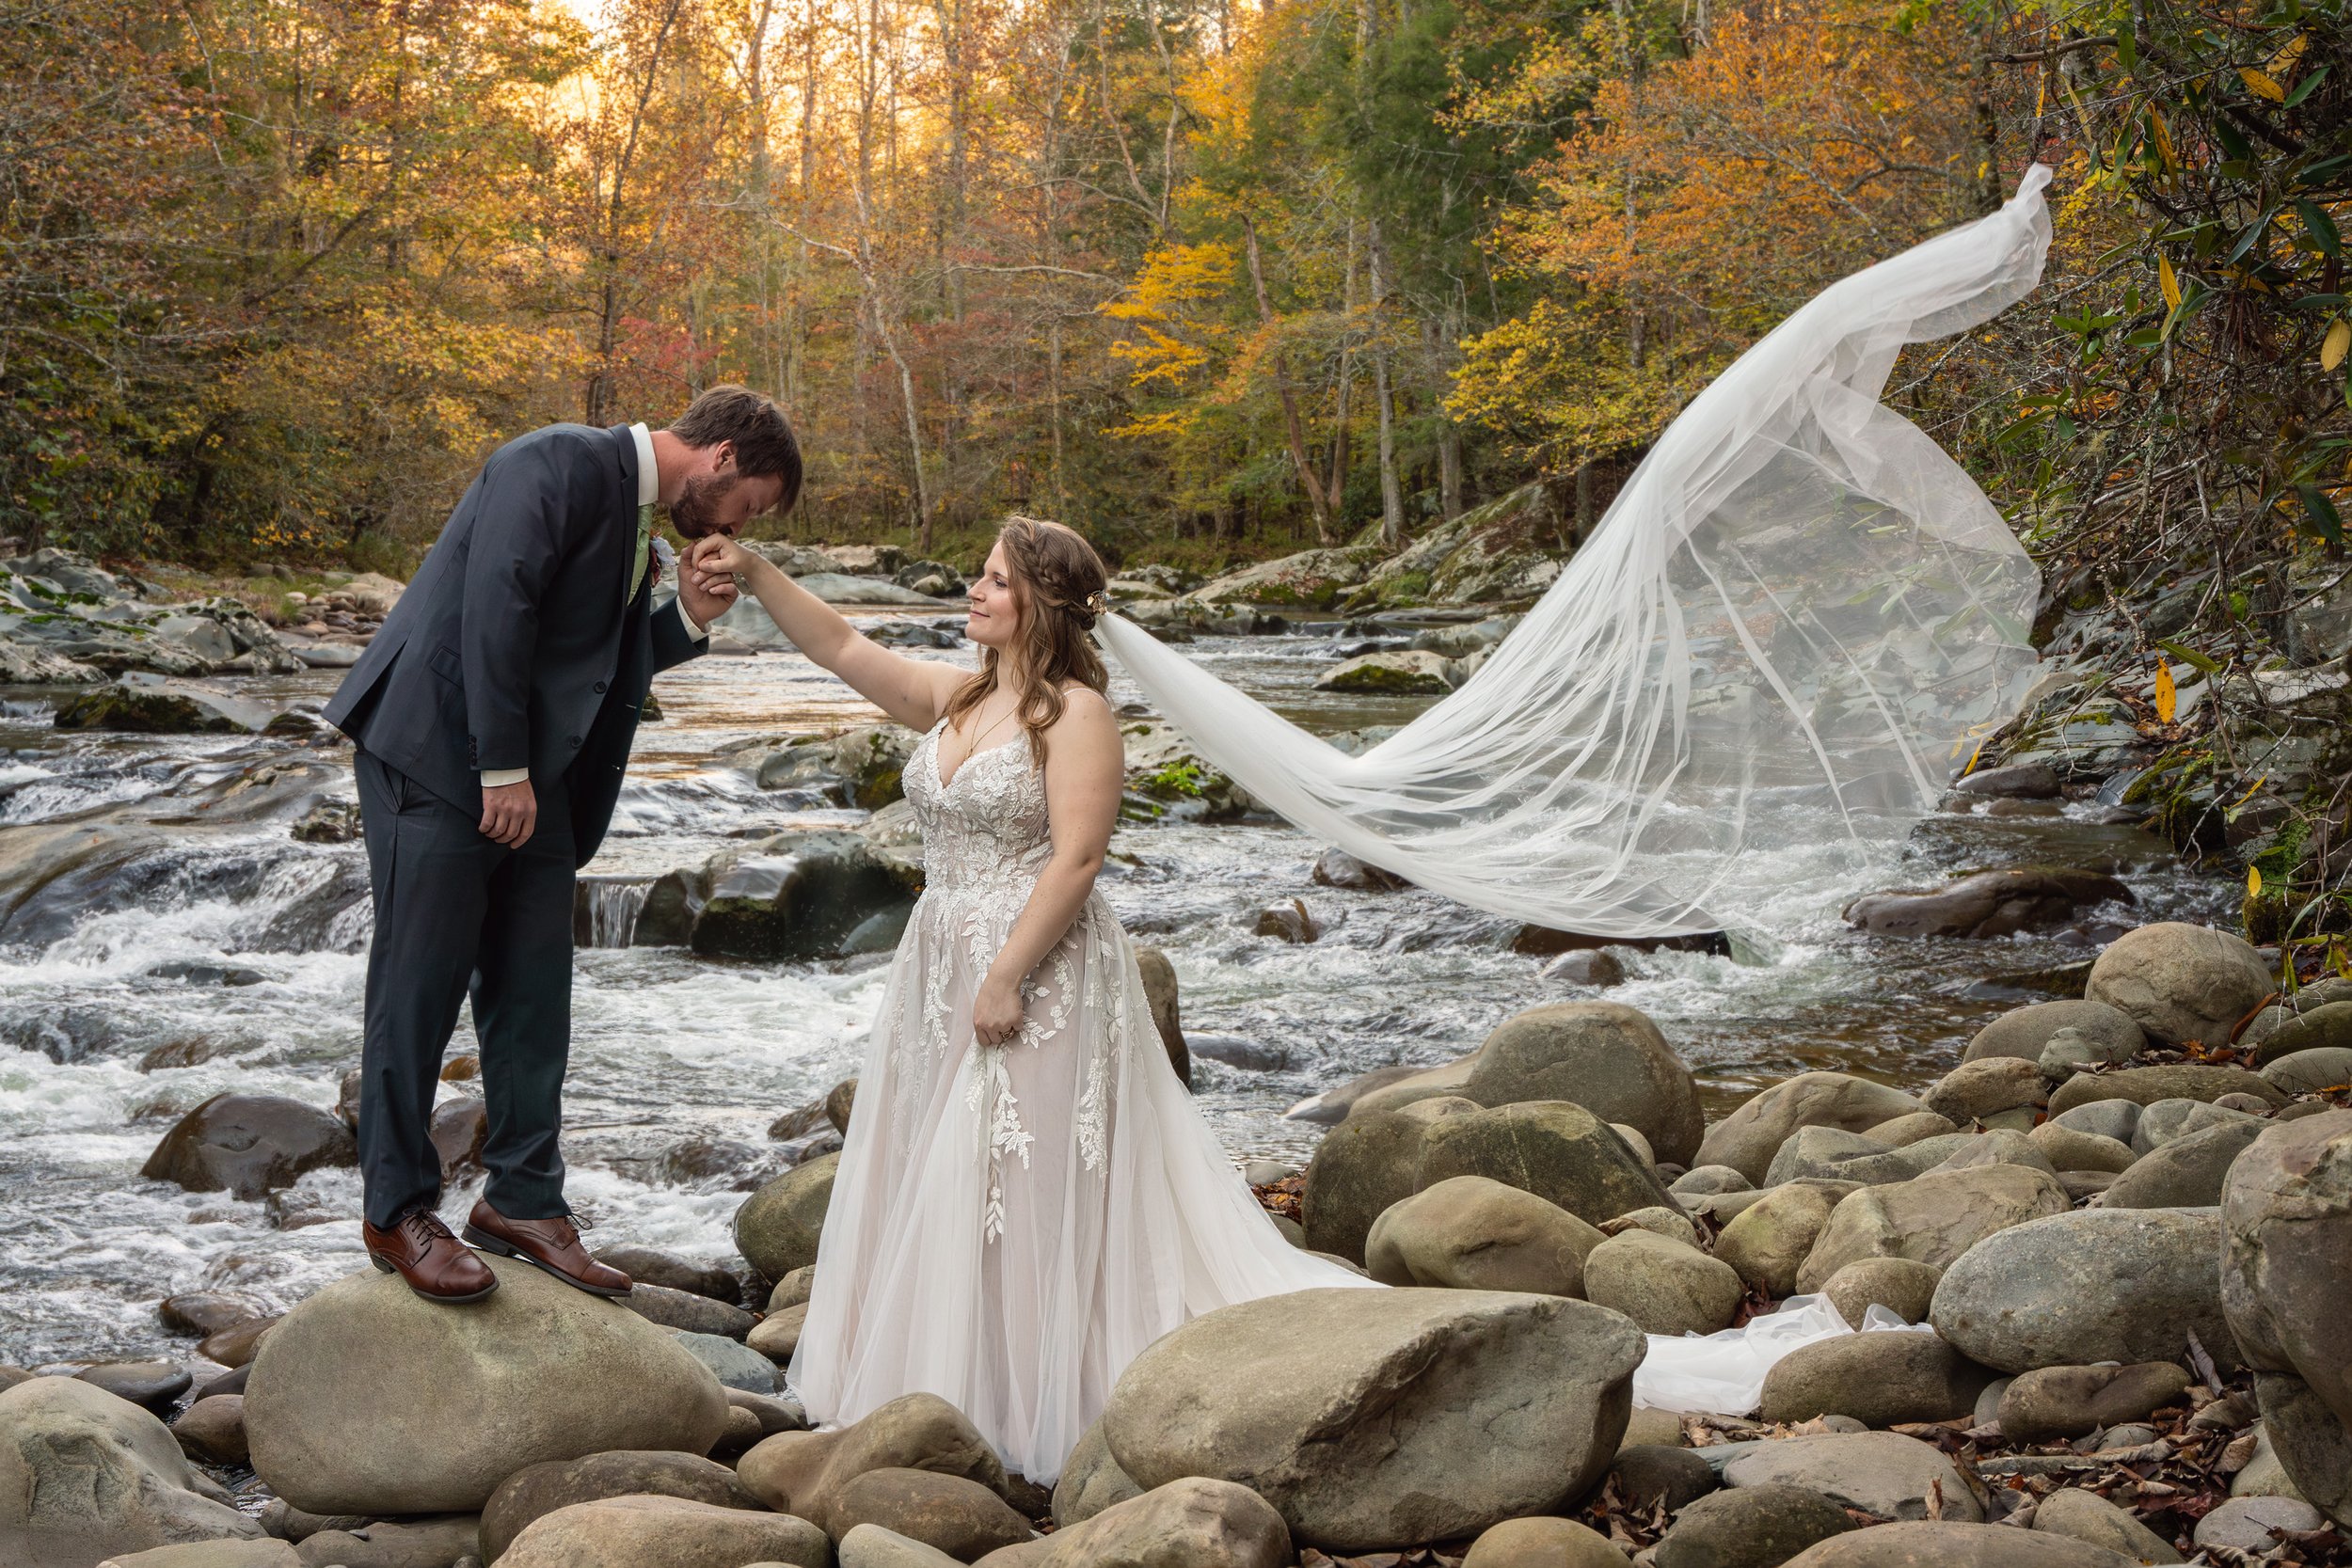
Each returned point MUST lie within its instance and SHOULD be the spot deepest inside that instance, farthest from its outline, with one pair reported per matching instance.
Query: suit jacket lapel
(624, 511)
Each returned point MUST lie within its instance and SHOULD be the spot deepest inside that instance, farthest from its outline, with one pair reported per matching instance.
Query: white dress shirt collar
(648, 474)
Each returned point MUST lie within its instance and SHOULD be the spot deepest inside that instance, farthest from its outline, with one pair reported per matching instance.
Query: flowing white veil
(1789, 630)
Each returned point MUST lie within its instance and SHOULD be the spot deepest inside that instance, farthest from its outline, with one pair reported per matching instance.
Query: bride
(1027, 1196)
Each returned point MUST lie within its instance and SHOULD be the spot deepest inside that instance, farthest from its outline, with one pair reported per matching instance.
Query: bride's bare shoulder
(1087, 719)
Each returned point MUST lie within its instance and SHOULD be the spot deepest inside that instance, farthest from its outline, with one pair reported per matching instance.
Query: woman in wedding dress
(1027, 1196)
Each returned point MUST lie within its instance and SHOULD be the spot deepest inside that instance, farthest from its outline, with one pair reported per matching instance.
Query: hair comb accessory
(1095, 603)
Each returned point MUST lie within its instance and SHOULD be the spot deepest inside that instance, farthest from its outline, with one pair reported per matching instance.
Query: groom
(492, 715)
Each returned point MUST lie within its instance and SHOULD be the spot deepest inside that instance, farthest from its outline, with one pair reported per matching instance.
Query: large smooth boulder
(2084, 1515)
(441, 1540)
(2053, 1403)
(2312, 1445)
(1192, 1522)
(211, 1554)
(1607, 1057)
(1363, 1166)
(1090, 1481)
(665, 1532)
(1878, 1472)
(250, 1144)
(1375, 1419)
(1663, 1285)
(1879, 1379)
(2124, 1285)
(806, 1472)
(2179, 982)
(2147, 1085)
(85, 1475)
(1973, 1091)
(2026, 1031)
(2321, 1070)
(1933, 1219)
(537, 1490)
(1767, 1241)
(1559, 1152)
(1987, 903)
(1747, 1139)
(367, 1398)
(2326, 1026)
(777, 1227)
(2186, 1173)
(1749, 1527)
(799, 896)
(1470, 1233)
(1924, 1543)
(961, 1517)
(1543, 1542)
(2287, 1255)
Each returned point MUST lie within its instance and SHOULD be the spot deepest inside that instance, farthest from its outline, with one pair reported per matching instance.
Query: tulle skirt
(1011, 1226)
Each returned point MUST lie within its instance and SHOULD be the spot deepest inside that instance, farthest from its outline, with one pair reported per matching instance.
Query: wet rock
(2053, 1403)
(1750, 1527)
(2322, 1070)
(799, 897)
(1287, 920)
(235, 1346)
(773, 1415)
(1747, 1139)
(1974, 1090)
(1879, 1379)
(248, 1145)
(1932, 1545)
(1665, 1286)
(1593, 968)
(1159, 991)
(2179, 982)
(1903, 1286)
(737, 1365)
(1883, 1473)
(1610, 1059)
(328, 822)
(1363, 1166)
(652, 1266)
(368, 1399)
(1988, 904)
(2186, 1173)
(807, 1472)
(1402, 673)
(1767, 1241)
(1557, 1151)
(1380, 1419)
(153, 1384)
(665, 1532)
(2124, 1285)
(1196, 1519)
(2254, 1523)
(537, 1490)
(777, 1227)
(1338, 868)
(961, 1517)
(161, 708)
(1474, 1234)
(457, 1131)
(2312, 1444)
(202, 1312)
(1652, 1474)
(1543, 1543)
(2084, 1515)
(212, 1429)
(1090, 1481)
(2173, 1080)
(85, 1475)
(2022, 781)
(1933, 1219)
(696, 1314)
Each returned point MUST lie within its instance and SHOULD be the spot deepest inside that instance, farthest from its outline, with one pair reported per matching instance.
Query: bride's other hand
(718, 556)
(996, 1012)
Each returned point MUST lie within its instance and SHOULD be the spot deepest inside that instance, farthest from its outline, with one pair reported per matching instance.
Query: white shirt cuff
(492, 778)
(695, 628)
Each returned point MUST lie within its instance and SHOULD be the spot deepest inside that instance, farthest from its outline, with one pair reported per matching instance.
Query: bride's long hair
(1058, 582)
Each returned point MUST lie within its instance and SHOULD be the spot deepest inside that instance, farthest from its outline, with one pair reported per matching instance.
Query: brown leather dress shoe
(552, 1245)
(437, 1265)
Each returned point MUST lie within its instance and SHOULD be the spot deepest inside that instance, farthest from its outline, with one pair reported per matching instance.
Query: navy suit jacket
(514, 647)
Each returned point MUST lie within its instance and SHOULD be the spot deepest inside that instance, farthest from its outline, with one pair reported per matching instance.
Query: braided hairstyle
(1058, 582)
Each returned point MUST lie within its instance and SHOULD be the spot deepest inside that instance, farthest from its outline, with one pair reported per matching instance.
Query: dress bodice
(985, 829)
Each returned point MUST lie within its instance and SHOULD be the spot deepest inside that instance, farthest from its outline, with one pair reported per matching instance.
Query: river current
(237, 964)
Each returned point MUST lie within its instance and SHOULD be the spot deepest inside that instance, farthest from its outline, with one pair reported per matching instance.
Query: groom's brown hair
(755, 423)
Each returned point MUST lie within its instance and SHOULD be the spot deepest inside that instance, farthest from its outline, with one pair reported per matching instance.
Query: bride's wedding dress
(1011, 1226)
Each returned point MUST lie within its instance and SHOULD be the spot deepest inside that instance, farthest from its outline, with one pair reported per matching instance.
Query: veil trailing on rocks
(1790, 630)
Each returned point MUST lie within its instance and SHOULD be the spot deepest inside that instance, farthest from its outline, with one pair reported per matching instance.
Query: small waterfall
(605, 913)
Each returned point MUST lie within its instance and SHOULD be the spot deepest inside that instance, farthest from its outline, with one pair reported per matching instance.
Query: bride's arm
(914, 691)
(1085, 772)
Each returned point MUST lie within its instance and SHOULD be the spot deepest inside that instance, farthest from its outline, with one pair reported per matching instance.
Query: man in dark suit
(492, 715)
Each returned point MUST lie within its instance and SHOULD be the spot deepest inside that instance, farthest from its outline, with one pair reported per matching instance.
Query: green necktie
(645, 539)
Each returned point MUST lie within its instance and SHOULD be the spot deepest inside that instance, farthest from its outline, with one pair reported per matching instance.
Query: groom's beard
(696, 513)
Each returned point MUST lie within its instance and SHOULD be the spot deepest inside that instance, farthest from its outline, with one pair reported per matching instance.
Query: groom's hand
(509, 813)
(705, 596)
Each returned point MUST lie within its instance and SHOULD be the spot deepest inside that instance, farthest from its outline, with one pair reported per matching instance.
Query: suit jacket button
(599, 688)
(572, 740)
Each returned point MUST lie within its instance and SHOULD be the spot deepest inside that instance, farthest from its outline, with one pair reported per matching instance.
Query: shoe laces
(425, 1228)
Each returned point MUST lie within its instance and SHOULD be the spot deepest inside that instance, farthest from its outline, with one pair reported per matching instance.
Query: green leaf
(2303, 89)
(2321, 227)
(2321, 514)
(2235, 145)
(2206, 662)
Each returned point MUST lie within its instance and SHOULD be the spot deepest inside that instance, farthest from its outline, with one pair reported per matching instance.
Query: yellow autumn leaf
(2261, 85)
(2253, 882)
(2339, 339)
(2172, 285)
(2283, 62)
(2167, 695)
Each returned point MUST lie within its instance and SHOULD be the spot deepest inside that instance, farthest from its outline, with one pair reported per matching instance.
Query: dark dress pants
(456, 912)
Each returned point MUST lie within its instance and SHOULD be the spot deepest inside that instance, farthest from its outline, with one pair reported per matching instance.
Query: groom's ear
(722, 458)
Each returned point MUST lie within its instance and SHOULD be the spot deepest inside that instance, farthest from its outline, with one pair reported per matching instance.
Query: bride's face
(996, 614)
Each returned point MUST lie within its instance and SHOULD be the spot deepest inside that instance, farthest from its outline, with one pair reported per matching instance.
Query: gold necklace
(975, 748)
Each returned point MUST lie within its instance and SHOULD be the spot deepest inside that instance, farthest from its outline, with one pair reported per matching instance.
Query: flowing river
(230, 957)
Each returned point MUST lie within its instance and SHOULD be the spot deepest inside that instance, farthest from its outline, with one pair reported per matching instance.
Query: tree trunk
(1293, 428)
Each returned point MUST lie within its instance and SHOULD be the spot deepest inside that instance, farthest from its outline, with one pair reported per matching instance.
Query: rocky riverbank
(2123, 1222)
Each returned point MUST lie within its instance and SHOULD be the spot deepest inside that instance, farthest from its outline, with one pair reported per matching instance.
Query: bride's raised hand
(719, 556)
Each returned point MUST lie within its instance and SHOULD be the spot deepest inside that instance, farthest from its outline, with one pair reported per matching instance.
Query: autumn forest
(1207, 279)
